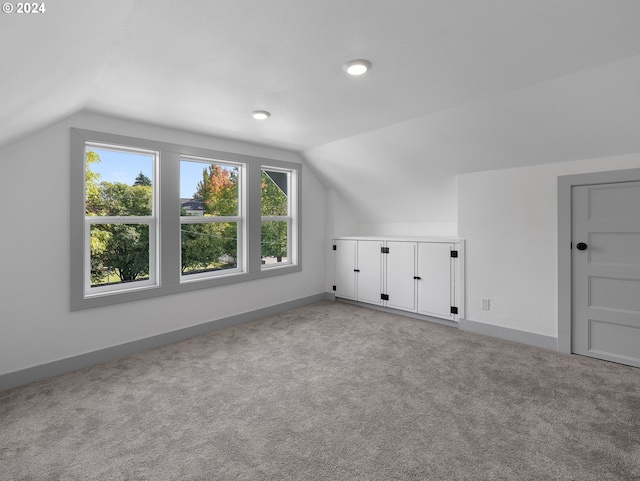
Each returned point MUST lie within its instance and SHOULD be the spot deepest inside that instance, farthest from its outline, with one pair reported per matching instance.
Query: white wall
(36, 326)
(384, 181)
(509, 220)
(342, 222)
(410, 229)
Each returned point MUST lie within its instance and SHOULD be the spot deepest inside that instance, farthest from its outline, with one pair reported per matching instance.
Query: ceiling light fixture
(260, 114)
(357, 67)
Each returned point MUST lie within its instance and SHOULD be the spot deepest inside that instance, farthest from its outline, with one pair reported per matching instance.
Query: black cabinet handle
(581, 246)
(356, 270)
(417, 277)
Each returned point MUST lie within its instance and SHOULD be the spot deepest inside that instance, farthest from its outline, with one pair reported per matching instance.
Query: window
(150, 218)
(275, 210)
(120, 218)
(210, 217)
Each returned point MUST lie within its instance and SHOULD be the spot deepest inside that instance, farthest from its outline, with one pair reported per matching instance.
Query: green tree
(92, 181)
(274, 239)
(118, 199)
(125, 252)
(142, 179)
(97, 239)
(203, 245)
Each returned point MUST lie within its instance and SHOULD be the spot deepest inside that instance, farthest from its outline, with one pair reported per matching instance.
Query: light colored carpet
(329, 391)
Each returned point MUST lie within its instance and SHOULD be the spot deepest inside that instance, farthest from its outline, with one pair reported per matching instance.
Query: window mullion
(253, 218)
(193, 219)
(169, 219)
(94, 219)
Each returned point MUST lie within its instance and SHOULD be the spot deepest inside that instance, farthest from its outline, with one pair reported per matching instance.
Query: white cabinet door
(369, 267)
(435, 287)
(344, 268)
(401, 273)
(417, 276)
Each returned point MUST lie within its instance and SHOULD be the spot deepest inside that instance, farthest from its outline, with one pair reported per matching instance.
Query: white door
(606, 271)
(344, 266)
(401, 275)
(369, 269)
(435, 286)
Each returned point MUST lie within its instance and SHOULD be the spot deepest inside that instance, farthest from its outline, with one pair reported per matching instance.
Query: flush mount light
(357, 67)
(260, 114)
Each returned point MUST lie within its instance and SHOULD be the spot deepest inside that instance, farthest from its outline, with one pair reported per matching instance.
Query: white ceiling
(456, 85)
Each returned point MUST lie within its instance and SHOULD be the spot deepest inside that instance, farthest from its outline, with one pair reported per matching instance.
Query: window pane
(274, 197)
(118, 183)
(274, 242)
(119, 253)
(208, 189)
(208, 247)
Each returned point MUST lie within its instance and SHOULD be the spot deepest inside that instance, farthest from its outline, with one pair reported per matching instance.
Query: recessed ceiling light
(260, 114)
(357, 67)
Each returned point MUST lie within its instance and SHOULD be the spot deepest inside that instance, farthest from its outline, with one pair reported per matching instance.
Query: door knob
(581, 246)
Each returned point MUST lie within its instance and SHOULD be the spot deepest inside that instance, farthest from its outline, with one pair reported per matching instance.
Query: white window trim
(292, 243)
(150, 220)
(238, 219)
(168, 276)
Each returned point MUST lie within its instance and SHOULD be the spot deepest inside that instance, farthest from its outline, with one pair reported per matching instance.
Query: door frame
(565, 186)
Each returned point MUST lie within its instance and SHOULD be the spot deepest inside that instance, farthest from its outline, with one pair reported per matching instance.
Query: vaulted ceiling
(456, 85)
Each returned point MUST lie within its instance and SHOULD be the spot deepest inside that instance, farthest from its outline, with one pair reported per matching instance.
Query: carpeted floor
(329, 391)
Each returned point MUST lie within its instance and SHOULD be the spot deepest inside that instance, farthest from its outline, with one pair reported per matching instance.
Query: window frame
(151, 221)
(239, 219)
(168, 256)
(292, 254)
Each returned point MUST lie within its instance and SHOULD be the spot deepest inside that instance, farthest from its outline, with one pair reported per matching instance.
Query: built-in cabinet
(421, 276)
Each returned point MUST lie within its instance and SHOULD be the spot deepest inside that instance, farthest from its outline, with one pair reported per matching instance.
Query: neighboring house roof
(192, 204)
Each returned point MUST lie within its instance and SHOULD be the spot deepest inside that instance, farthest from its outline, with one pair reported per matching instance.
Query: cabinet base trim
(399, 312)
(516, 335)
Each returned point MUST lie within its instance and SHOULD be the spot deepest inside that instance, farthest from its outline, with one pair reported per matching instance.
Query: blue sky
(125, 166)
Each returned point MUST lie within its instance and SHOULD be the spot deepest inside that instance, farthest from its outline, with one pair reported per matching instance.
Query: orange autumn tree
(218, 190)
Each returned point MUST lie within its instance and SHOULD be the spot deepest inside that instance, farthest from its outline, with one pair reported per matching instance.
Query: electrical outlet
(485, 303)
